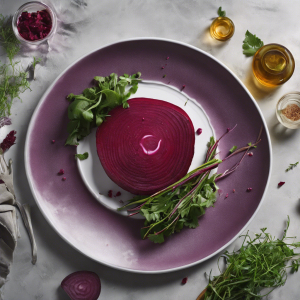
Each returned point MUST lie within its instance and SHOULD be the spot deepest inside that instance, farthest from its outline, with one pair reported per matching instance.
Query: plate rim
(41, 101)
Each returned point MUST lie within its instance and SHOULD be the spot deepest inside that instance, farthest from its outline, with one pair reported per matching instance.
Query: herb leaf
(233, 149)
(90, 108)
(83, 156)
(250, 144)
(251, 44)
(221, 12)
(261, 262)
(291, 166)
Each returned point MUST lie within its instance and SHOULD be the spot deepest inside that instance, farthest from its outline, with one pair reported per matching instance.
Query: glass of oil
(222, 29)
(273, 65)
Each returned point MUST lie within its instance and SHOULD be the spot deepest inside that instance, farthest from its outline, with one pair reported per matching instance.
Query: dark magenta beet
(145, 156)
(82, 285)
(34, 26)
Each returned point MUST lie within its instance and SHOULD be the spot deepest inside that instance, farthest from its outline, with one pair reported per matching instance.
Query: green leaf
(88, 115)
(291, 166)
(250, 144)
(251, 44)
(158, 239)
(76, 108)
(221, 12)
(233, 149)
(83, 156)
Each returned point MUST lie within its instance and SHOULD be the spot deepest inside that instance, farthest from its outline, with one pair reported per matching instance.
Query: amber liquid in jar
(222, 29)
(273, 65)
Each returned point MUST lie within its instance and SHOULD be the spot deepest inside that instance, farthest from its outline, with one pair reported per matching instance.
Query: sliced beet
(82, 285)
(146, 147)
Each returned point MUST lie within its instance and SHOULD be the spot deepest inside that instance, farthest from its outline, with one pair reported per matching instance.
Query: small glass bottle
(222, 29)
(273, 65)
(288, 110)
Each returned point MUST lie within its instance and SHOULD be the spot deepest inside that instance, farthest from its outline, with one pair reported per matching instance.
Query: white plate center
(91, 170)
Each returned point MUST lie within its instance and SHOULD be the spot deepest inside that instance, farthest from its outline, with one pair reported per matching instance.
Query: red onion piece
(82, 285)
(145, 156)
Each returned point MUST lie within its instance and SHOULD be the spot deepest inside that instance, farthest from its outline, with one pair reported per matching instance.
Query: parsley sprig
(261, 262)
(90, 108)
(221, 13)
(251, 44)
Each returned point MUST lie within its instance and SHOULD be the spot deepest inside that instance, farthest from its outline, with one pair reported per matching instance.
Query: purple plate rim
(35, 114)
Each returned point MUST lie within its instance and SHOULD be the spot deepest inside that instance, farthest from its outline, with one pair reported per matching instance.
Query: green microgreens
(221, 13)
(251, 44)
(233, 149)
(83, 156)
(182, 203)
(90, 108)
(291, 166)
(260, 263)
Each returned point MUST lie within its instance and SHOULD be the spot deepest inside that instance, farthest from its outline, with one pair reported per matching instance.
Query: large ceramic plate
(113, 239)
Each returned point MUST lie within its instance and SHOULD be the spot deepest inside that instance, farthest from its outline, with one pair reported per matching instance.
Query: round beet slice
(82, 285)
(147, 146)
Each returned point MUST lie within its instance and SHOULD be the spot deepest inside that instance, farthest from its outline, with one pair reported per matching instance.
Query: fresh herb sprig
(221, 13)
(182, 203)
(261, 262)
(8, 39)
(292, 166)
(90, 108)
(13, 79)
(83, 156)
(251, 44)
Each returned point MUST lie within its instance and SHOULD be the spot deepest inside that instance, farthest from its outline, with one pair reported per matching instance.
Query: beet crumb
(143, 119)
(121, 201)
(228, 129)
(250, 154)
(184, 280)
(162, 67)
(183, 87)
(61, 172)
(281, 183)
(64, 179)
(110, 193)
(226, 196)
(199, 131)
(249, 189)
(167, 58)
(233, 190)
(118, 194)
(53, 141)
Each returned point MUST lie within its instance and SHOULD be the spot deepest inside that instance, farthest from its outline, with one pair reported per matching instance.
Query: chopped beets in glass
(8, 141)
(34, 26)
(184, 280)
(281, 183)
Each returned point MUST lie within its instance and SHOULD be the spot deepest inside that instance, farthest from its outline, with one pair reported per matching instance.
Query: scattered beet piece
(53, 141)
(156, 155)
(82, 285)
(110, 193)
(228, 129)
(250, 154)
(226, 196)
(162, 67)
(199, 131)
(249, 189)
(8, 141)
(61, 172)
(233, 190)
(34, 26)
(281, 183)
(183, 87)
(184, 280)
(121, 201)
(167, 58)
(118, 194)
(64, 179)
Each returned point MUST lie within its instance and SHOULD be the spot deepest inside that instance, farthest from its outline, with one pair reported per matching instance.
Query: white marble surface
(88, 25)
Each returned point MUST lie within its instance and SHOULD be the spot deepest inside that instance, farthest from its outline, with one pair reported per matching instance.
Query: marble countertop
(90, 24)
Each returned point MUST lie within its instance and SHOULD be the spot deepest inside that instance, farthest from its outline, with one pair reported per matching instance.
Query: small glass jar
(288, 110)
(30, 7)
(273, 65)
(222, 29)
